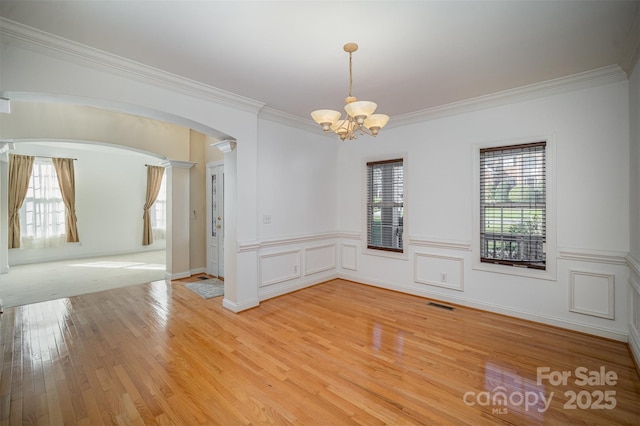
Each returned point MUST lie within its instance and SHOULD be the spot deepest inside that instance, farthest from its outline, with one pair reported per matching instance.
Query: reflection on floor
(26, 284)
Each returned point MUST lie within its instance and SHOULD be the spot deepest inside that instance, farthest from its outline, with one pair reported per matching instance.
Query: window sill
(548, 274)
(388, 254)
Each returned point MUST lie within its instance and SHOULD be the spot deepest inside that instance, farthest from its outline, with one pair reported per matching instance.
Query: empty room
(318, 212)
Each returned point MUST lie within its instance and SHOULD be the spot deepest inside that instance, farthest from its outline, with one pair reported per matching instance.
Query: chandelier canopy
(360, 117)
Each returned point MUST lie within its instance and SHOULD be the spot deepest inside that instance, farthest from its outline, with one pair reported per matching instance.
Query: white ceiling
(413, 55)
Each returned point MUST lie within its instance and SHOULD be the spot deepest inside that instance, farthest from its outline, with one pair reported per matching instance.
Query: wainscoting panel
(438, 270)
(591, 293)
(349, 256)
(319, 259)
(279, 266)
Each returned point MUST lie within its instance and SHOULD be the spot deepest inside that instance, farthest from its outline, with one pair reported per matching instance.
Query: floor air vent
(438, 305)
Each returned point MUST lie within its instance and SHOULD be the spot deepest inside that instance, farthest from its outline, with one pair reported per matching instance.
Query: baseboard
(543, 319)
(239, 307)
(634, 346)
(198, 271)
(177, 275)
(299, 285)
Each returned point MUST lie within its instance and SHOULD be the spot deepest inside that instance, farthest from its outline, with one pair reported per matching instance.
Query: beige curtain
(154, 180)
(67, 182)
(20, 168)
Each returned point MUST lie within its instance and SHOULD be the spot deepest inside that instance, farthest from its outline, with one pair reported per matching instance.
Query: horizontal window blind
(513, 205)
(385, 214)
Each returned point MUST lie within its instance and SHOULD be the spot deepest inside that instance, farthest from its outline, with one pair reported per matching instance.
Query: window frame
(52, 241)
(390, 253)
(550, 271)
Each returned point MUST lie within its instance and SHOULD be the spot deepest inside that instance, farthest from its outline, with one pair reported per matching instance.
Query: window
(158, 212)
(385, 207)
(513, 212)
(42, 215)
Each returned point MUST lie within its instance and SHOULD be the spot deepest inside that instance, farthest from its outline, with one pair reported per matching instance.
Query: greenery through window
(385, 207)
(513, 205)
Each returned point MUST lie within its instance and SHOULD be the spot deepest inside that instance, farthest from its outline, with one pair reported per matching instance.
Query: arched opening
(189, 147)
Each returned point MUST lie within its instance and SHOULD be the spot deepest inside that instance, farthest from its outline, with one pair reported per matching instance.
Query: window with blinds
(513, 205)
(385, 187)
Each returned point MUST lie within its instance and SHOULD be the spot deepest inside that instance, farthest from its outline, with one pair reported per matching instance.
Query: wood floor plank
(336, 353)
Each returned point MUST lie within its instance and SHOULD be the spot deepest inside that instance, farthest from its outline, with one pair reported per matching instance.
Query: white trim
(178, 164)
(306, 250)
(349, 235)
(239, 307)
(634, 343)
(226, 146)
(460, 261)
(177, 275)
(292, 276)
(610, 314)
(596, 77)
(441, 244)
(551, 238)
(633, 263)
(62, 48)
(582, 255)
(257, 245)
(247, 246)
(353, 267)
(543, 319)
(291, 120)
(268, 293)
(404, 255)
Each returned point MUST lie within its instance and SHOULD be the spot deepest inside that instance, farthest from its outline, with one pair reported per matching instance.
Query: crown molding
(285, 118)
(28, 37)
(599, 76)
(31, 38)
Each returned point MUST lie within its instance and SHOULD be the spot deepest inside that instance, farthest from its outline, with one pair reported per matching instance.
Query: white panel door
(215, 220)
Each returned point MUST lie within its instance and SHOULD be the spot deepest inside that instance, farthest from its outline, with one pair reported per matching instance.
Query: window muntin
(42, 215)
(385, 205)
(513, 205)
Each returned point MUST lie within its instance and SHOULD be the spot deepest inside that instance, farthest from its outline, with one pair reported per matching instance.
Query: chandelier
(359, 119)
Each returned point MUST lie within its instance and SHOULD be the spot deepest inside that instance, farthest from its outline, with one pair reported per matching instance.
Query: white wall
(110, 195)
(296, 181)
(282, 172)
(633, 293)
(589, 130)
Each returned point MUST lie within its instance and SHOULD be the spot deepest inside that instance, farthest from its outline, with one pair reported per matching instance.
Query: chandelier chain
(350, 75)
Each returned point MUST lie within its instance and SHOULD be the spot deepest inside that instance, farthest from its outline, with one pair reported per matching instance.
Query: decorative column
(178, 219)
(240, 287)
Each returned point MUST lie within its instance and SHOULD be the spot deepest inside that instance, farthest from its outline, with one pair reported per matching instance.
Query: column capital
(226, 145)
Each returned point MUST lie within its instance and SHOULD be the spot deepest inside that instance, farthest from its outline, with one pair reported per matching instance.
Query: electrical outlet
(443, 277)
(266, 219)
(295, 269)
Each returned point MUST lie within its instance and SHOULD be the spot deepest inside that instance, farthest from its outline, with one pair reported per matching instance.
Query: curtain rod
(62, 158)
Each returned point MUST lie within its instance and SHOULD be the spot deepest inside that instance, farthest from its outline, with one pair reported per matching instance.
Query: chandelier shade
(375, 122)
(325, 117)
(360, 110)
(360, 117)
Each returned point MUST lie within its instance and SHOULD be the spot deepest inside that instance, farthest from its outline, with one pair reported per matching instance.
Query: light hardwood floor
(336, 353)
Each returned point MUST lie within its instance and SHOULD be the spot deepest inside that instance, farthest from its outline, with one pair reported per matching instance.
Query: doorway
(215, 219)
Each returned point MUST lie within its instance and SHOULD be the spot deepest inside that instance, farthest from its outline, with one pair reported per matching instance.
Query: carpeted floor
(26, 284)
